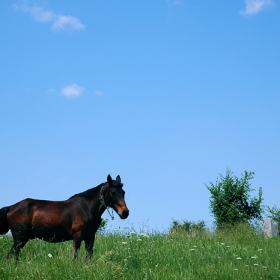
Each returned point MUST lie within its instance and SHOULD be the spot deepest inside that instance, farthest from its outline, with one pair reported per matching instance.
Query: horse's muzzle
(124, 214)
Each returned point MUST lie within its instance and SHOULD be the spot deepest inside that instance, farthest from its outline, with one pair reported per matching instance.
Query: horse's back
(26, 207)
(20, 212)
(49, 220)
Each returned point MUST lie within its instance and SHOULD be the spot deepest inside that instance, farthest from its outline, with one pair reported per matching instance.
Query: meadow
(236, 253)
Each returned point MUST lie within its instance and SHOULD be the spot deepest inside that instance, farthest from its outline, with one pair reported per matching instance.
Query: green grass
(237, 253)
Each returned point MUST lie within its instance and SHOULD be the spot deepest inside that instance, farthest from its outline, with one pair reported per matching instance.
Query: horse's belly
(51, 233)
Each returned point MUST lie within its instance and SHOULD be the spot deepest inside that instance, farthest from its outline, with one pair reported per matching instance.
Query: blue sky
(168, 94)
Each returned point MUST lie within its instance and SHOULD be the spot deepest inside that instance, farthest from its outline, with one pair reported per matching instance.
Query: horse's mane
(89, 193)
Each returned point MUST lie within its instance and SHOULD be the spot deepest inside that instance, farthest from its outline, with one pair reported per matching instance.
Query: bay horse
(77, 218)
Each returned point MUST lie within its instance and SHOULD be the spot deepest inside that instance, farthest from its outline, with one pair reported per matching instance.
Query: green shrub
(102, 227)
(230, 200)
(188, 227)
(274, 213)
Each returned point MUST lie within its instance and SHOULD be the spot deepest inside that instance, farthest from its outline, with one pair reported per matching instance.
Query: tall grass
(233, 253)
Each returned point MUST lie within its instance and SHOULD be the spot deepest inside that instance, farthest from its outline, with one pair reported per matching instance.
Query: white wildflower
(50, 255)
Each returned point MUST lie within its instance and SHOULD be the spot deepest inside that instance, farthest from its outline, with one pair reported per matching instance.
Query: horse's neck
(95, 206)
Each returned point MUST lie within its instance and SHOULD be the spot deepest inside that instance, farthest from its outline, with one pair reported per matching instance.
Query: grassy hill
(237, 253)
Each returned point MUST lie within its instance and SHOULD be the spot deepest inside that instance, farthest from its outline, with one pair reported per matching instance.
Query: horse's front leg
(89, 242)
(77, 244)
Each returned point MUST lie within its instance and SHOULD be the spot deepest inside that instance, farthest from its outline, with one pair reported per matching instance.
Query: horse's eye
(113, 191)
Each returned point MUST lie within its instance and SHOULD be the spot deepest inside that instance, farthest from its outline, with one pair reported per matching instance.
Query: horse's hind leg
(16, 248)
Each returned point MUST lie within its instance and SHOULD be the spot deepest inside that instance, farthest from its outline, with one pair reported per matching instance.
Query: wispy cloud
(65, 22)
(255, 6)
(59, 22)
(72, 91)
(98, 92)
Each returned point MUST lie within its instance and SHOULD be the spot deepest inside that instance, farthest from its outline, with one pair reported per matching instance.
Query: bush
(230, 201)
(274, 214)
(102, 227)
(187, 227)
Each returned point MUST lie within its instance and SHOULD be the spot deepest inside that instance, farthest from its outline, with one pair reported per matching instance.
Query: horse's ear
(118, 179)
(109, 179)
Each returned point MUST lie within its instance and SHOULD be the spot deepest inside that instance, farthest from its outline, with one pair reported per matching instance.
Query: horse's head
(114, 196)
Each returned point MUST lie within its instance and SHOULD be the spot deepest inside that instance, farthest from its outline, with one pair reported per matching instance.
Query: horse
(77, 218)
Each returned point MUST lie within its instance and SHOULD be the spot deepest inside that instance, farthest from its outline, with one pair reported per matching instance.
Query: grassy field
(238, 253)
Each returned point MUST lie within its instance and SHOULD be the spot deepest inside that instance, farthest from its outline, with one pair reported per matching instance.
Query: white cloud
(59, 22)
(72, 91)
(64, 22)
(255, 6)
(98, 92)
(38, 13)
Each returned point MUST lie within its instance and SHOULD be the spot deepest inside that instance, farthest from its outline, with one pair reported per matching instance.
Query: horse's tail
(4, 226)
